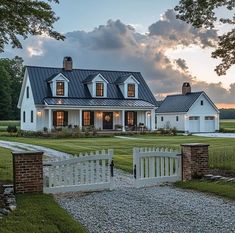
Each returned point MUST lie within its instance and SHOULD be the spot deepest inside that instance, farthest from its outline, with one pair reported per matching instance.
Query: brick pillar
(28, 172)
(194, 160)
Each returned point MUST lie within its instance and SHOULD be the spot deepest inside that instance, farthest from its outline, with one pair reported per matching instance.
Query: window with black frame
(131, 90)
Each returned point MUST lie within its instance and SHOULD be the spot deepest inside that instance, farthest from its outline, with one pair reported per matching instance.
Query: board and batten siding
(171, 119)
(27, 106)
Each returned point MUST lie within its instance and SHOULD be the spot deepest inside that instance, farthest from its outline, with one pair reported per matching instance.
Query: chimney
(186, 88)
(68, 64)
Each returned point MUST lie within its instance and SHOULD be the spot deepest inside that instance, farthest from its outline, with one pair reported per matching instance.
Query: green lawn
(5, 165)
(223, 189)
(39, 214)
(222, 150)
(5, 124)
(228, 124)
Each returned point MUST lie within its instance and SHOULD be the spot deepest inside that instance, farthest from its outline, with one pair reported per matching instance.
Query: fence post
(28, 172)
(194, 160)
(111, 164)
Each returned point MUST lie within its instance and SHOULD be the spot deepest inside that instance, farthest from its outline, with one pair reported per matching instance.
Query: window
(130, 118)
(86, 118)
(60, 88)
(201, 102)
(27, 92)
(209, 118)
(193, 118)
(177, 118)
(99, 89)
(59, 118)
(131, 90)
(23, 116)
(162, 118)
(31, 116)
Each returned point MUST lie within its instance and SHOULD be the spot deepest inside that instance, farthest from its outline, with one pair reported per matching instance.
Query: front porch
(102, 120)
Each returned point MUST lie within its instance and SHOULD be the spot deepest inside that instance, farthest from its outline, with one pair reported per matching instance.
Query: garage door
(209, 124)
(194, 124)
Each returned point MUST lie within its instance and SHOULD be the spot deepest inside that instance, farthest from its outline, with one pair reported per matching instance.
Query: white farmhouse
(189, 112)
(62, 97)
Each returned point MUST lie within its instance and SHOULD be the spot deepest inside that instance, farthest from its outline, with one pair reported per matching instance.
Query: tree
(5, 96)
(26, 17)
(15, 69)
(202, 13)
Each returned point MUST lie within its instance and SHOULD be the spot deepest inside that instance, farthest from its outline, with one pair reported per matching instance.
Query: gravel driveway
(154, 209)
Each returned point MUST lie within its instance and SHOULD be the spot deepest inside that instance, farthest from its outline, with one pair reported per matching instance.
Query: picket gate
(152, 166)
(88, 172)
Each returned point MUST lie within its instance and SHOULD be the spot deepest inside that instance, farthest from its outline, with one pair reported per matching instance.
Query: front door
(107, 120)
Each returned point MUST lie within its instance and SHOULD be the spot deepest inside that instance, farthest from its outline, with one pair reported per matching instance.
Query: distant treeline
(227, 113)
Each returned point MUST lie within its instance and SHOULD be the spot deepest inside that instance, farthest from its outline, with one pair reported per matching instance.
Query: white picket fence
(153, 166)
(88, 172)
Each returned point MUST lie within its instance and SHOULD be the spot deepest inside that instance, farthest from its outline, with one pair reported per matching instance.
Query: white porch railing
(84, 173)
(153, 166)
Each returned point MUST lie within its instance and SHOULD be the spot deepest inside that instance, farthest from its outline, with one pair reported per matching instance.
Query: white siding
(170, 119)
(73, 117)
(27, 106)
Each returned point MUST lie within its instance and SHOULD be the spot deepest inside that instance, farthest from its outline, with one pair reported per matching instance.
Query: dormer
(59, 85)
(128, 86)
(97, 85)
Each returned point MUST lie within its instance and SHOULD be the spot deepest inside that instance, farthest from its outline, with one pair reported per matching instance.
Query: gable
(208, 106)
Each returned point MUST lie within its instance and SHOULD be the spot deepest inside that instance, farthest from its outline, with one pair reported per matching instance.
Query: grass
(39, 214)
(222, 150)
(4, 124)
(5, 165)
(223, 189)
(228, 124)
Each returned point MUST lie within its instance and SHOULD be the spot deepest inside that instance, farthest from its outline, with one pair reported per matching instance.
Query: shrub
(12, 129)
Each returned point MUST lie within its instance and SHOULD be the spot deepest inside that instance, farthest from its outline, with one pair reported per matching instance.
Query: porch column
(153, 119)
(146, 119)
(80, 119)
(123, 121)
(49, 119)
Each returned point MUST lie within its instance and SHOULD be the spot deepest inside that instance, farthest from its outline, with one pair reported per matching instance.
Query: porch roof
(98, 102)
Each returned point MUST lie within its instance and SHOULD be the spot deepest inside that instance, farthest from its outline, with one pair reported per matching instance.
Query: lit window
(162, 118)
(131, 90)
(59, 118)
(31, 116)
(99, 89)
(86, 118)
(130, 118)
(201, 102)
(60, 88)
(177, 118)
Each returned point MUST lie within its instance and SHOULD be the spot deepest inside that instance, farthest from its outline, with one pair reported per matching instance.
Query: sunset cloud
(118, 46)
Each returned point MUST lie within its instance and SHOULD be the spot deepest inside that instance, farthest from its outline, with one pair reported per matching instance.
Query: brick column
(28, 172)
(194, 160)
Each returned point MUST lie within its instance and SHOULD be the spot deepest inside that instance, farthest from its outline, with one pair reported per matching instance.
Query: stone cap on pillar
(195, 145)
(27, 153)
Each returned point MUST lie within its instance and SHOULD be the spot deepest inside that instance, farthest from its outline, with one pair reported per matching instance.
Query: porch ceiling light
(117, 114)
(99, 114)
(39, 113)
(148, 114)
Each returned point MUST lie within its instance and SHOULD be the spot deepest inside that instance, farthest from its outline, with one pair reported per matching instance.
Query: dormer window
(60, 88)
(99, 89)
(131, 90)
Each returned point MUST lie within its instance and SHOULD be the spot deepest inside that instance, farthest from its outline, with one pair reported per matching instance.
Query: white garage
(191, 112)
(194, 124)
(209, 124)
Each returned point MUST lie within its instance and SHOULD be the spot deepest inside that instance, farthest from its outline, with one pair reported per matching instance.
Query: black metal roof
(98, 102)
(39, 76)
(178, 103)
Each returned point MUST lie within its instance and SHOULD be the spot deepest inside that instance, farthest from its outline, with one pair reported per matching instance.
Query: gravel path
(154, 209)
(17, 146)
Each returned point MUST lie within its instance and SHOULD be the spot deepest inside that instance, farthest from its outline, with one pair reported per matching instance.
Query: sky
(134, 35)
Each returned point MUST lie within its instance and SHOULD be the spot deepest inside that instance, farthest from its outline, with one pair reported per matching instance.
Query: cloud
(176, 32)
(118, 46)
